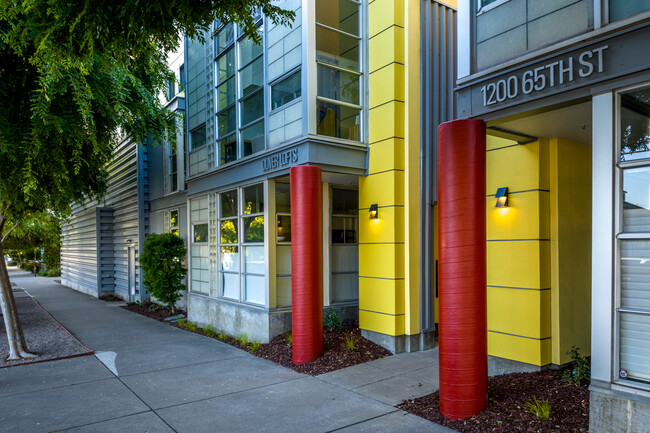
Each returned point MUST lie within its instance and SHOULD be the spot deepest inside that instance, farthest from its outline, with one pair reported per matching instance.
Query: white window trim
(481, 10)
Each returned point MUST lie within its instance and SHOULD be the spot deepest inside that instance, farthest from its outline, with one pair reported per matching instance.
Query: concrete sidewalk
(150, 377)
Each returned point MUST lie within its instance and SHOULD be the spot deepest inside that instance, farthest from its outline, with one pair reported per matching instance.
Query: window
(198, 151)
(226, 93)
(172, 168)
(345, 247)
(199, 250)
(241, 229)
(286, 90)
(251, 105)
(619, 9)
(339, 73)
(171, 222)
(633, 237)
(171, 89)
(283, 246)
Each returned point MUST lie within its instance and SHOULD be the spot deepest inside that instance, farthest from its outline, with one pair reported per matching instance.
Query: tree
(76, 74)
(162, 262)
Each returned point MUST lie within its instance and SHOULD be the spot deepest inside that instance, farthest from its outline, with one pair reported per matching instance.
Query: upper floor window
(198, 151)
(619, 9)
(338, 58)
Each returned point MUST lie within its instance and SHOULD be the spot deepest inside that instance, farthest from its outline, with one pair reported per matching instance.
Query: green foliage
(289, 337)
(580, 374)
(255, 346)
(350, 342)
(333, 319)
(181, 323)
(242, 339)
(209, 331)
(191, 326)
(28, 266)
(162, 262)
(222, 336)
(541, 409)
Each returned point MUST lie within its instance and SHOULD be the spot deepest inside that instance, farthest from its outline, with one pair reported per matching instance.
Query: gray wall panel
(79, 250)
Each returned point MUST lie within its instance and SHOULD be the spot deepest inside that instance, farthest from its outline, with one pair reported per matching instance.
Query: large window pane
(282, 197)
(255, 289)
(254, 199)
(345, 201)
(252, 77)
(224, 38)
(254, 229)
(226, 94)
(284, 228)
(338, 14)
(619, 9)
(197, 138)
(253, 138)
(337, 49)
(226, 121)
(635, 125)
(228, 231)
(636, 200)
(248, 50)
(228, 149)
(635, 346)
(254, 260)
(286, 90)
(635, 274)
(225, 66)
(344, 230)
(228, 203)
(252, 108)
(200, 233)
(345, 287)
(230, 285)
(229, 258)
(338, 121)
(339, 85)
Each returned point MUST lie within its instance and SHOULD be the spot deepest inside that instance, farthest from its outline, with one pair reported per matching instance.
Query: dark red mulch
(335, 353)
(110, 298)
(506, 411)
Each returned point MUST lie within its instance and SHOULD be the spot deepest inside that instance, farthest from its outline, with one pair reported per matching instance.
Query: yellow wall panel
(381, 295)
(492, 142)
(385, 189)
(522, 264)
(525, 217)
(519, 312)
(381, 260)
(386, 47)
(383, 323)
(383, 14)
(520, 168)
(520, 349)
(389, 227)
(386, 155)
(386, 84)
(386, 121)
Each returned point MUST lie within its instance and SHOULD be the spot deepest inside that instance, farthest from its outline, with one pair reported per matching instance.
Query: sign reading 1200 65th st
(551, 74)
(565, 75)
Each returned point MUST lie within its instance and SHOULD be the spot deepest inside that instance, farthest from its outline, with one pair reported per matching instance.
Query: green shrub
(181, 323)
(209, 331)
(580, 374)
(289, 337)
(162, 262)
(54, 272)
(255, 346)
(541, 409)
(350, 342)
(333, 319)
(242, 339)
(222, 336)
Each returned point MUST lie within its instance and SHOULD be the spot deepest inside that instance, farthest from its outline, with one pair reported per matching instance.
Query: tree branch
(8, 233)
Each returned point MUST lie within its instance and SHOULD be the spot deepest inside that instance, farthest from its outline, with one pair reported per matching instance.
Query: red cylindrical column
(306, 263)
(462, 268)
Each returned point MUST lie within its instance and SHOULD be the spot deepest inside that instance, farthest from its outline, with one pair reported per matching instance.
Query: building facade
(563, 88)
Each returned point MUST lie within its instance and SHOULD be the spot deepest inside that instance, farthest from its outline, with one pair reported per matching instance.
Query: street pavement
(146, 376)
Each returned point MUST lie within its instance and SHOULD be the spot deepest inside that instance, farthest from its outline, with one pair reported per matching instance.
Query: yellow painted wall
(570, 207)
(389, 298)
(518, 252)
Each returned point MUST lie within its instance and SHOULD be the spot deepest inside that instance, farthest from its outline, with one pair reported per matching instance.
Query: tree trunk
(15, 337)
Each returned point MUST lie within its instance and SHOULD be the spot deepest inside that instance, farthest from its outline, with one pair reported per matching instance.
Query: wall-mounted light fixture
(502, 197)
(373, 211)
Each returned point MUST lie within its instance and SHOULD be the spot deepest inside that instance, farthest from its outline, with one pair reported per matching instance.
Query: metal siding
(438, 24)
(79, 250)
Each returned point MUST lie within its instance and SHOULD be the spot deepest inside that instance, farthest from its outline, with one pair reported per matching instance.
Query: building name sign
(280, 160)
(541, 78)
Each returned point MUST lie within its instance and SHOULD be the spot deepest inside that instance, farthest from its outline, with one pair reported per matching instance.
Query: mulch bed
(44, 336)
(335, 353)
(507, 397)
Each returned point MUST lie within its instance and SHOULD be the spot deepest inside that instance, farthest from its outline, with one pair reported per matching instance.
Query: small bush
(580, 374)
(333, 319)
(541, 409)
(191, 326)
(242, 339)
(255, 346)
(209, 331)
(162, 262)
(289, 337)
(350, 342)
(222, 336)
(181, 323)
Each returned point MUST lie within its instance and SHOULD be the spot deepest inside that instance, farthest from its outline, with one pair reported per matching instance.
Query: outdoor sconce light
(502, 197)
(373, 211)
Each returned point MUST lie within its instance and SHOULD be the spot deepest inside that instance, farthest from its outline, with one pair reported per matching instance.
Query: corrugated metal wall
(438, 46)
(79, 250)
